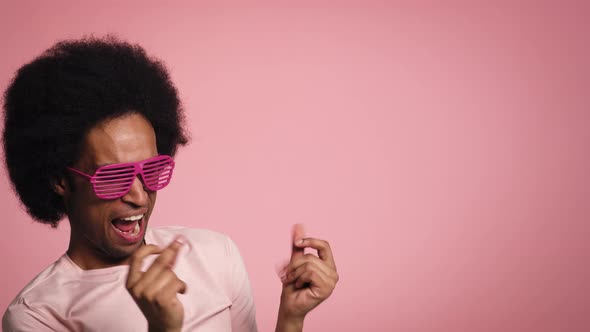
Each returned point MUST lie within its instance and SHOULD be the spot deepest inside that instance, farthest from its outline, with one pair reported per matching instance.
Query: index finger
(166, 259)
(136, 260)
(298, 233)
(323, 248)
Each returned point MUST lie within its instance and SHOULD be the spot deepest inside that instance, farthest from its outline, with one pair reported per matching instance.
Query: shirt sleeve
(22, 318)
(243, 311)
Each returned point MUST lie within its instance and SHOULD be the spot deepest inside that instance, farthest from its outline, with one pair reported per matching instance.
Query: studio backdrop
(442, 148)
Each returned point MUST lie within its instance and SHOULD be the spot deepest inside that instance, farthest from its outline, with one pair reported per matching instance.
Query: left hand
(308, 280)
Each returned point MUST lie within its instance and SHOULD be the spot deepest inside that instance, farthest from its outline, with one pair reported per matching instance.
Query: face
(104, 232)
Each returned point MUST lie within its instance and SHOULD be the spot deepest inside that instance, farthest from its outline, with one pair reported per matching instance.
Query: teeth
(136, 229)
(133, 218)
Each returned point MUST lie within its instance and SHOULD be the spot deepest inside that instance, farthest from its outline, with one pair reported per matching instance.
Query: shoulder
(21, 317)
(46, 279)
(26, 310)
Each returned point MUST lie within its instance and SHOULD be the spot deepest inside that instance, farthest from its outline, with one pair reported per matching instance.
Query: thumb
(298, 234)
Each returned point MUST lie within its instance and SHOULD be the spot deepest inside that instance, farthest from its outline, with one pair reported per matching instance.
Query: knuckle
(159, 263)
(137, 253)
(309, 257)
(164, 256)
(135, 293)
(135, 258)
(160, 300)
(331, 288)
(143, 251)
(329, 292)
(167, 251)
(177, 278)
(304, 267)
(167, 274)
(149, 296)
(174, 278)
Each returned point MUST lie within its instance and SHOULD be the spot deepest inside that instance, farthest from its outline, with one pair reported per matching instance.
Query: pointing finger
(137, 258)
(323, 248)
(298, 234)
(135, 264)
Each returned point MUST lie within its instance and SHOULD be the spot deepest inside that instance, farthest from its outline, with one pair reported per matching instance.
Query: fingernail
(181, 240)
(300, 241)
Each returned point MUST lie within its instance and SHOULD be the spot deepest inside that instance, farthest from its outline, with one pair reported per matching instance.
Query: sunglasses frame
(138, 169)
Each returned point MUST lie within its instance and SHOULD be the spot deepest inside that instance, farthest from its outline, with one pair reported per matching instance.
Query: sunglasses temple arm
(79, 173)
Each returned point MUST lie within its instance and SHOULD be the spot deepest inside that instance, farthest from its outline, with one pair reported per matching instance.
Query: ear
(60, 186)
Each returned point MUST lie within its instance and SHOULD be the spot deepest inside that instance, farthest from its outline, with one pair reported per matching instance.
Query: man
(91, 128)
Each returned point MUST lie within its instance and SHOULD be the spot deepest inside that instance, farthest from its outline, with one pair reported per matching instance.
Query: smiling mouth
(129, 226)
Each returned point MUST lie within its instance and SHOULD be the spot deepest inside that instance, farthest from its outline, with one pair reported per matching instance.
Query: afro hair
(53, 101)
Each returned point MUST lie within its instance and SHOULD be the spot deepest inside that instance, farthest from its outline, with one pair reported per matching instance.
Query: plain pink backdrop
(441, 149)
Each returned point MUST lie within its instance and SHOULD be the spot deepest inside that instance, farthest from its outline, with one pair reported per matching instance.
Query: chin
(121, 253)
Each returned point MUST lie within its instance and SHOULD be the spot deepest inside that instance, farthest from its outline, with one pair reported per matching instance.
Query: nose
(137, 194)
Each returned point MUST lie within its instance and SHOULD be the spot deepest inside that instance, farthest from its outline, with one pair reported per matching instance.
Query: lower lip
(131, 238)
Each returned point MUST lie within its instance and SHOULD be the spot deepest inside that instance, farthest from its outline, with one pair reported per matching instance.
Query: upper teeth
(133, 218)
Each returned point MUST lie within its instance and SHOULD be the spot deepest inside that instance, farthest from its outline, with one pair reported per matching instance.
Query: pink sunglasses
(114, 181)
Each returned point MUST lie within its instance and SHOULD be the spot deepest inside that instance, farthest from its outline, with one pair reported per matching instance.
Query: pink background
(441, 149)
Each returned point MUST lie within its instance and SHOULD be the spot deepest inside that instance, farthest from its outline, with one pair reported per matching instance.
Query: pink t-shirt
(66, 298)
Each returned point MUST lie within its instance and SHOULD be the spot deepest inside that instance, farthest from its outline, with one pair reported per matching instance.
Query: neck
(88, 257)
(92, 262)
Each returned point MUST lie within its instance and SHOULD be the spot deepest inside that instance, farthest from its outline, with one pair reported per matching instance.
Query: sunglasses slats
(109, 169)
(107, 179)
(114, 181)
(159, 174)
(112, 186)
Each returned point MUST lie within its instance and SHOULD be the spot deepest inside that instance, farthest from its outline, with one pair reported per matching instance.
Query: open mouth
(130, 228)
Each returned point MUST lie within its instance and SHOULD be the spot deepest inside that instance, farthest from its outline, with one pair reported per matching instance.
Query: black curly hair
(54, 100)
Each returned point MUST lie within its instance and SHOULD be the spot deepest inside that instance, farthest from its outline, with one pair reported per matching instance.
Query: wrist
(289, 323)
(151, 328)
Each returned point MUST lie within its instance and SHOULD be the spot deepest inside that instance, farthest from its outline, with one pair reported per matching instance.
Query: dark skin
(94, 243)
(308, 280)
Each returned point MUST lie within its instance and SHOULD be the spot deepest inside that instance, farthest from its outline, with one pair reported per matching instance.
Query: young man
(91, 128)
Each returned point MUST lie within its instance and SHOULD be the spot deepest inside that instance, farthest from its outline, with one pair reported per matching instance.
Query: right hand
(155, 290)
